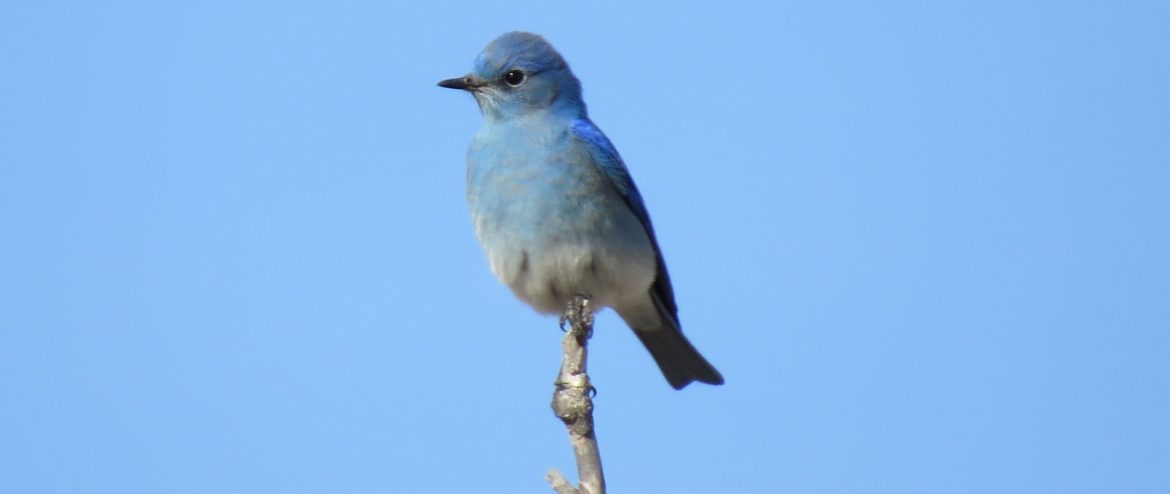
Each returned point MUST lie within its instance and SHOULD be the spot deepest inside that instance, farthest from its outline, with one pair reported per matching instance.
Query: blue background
(926, 244)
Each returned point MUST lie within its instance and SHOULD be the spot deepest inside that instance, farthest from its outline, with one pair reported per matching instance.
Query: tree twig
(573, 404)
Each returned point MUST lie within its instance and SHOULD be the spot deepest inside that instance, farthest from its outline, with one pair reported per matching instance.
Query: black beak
(466, 83)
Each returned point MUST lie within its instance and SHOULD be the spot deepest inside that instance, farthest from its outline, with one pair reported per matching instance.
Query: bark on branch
(572, 402)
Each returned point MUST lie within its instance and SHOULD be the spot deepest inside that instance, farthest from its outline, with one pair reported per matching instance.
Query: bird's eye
(514, 77)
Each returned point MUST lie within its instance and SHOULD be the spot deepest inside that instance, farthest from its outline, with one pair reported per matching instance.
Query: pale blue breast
(549, 220)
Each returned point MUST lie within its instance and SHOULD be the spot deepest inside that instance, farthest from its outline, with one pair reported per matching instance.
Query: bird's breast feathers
(553, 226)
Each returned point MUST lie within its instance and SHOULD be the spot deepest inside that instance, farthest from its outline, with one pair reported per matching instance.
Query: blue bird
(554, 206)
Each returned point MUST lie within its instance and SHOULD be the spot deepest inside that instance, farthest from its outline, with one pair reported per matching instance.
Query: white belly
(547, 277)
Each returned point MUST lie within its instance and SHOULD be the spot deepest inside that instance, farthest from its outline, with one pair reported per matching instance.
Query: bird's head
(519, 73)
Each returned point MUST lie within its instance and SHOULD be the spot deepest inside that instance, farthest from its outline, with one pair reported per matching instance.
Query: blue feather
(606, 156)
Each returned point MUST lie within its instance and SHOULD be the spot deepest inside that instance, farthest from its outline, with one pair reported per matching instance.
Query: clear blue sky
(928, 244)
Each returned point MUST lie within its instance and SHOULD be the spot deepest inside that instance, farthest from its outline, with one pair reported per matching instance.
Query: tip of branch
(559, 483)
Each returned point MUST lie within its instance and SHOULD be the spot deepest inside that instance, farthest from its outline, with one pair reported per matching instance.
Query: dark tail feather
(677, 358)
(655, 323)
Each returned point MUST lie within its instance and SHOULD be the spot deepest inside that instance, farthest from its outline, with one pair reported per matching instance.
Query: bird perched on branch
(555, 208)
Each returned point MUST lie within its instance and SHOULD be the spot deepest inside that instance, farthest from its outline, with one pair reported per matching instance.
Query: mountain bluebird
(555, 208)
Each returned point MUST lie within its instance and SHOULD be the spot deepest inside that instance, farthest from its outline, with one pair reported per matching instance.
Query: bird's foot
(578, 316)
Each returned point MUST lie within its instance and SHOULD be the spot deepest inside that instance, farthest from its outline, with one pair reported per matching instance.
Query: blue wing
(606, 156)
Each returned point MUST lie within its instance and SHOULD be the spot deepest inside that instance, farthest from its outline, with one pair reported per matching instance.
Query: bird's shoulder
(605, 156)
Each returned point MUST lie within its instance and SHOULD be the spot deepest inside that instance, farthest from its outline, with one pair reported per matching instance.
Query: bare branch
(559, 483)
(573, 404)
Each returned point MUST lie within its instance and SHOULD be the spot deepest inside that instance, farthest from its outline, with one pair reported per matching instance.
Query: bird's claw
(578, 315)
